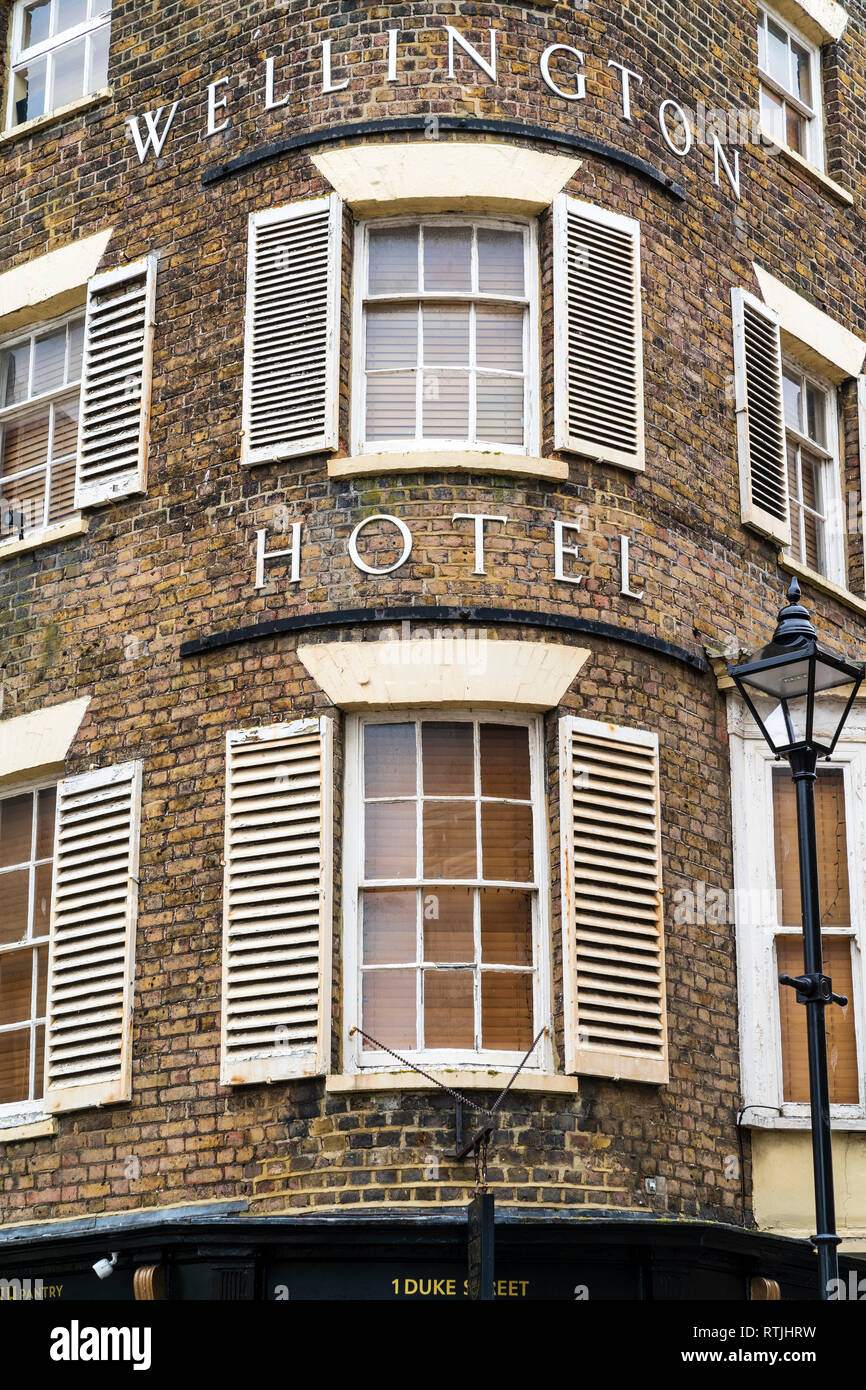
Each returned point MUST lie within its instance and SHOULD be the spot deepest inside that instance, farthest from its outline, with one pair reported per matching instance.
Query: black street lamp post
(792, 671)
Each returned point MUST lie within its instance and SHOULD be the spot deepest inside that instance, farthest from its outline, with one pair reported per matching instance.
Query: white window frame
(813, 115)
(19, 1112)
(22, 57)
(830, 476)
(9, 414)
(357, 1058)
(752, 766)
(531, 331)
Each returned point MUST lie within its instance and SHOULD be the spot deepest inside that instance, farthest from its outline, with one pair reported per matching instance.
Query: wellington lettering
(560, 69)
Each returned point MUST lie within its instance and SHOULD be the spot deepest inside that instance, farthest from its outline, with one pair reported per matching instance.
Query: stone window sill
(817, 175)
(18, 132)
(34, 1128)
(765, 1120)
(448, 461)
(543, 1083)
(46, 535)
(822, 583)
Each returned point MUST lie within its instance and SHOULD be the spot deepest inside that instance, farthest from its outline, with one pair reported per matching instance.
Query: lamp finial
(794, 621)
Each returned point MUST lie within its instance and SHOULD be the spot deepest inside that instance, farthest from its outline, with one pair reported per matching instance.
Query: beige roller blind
(835, 912)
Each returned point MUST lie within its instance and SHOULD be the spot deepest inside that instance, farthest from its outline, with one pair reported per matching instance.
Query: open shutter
(292, 343)
(92, 952)
(613, 948)
(598, 333)
(277, 902)
(760, 417)
(115, 386)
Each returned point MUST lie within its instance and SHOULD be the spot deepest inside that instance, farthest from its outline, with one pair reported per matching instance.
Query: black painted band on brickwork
(469, 125)
(422, 613)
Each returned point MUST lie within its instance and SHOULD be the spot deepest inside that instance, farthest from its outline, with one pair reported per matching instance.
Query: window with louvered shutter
(276, 903)
(115, 388)
(613, 951)
(90, 970)
(291, 350)
(598, 333)
(760, 417)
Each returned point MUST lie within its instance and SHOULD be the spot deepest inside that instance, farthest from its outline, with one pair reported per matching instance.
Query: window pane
(16, 829)
(832, 850)
(42, 900)
(25, 443)
(76, 349)
(45, 808)
(39, 1078)
(500, 410)
(449, 1009)
(14, 371)
(393, 261)
(792, 397)
(14, 901)
(14, 1066)
(841, 1032)
(506, 1011)
(506, 841)
(795, 131)
(802, 73)
(390, 936)
(505, 761)
(68, 72)
(390, 839)
(23, 502)
(500, 262)
(391, 406)
(49, 362)
(446, 405)
(36, 23)
(389, 760)
(773, 115)
(499, 338)
(69, 13)
(448, 924)
(449, 839)
(449, 760)
(815, 427)
(30, 91)
(388, 1007)
(506, 927)
(448, 258)
(392, 338)
(61, 505)
(778, 64)
(42, 981)
(16, 987)
(446, 336)
(65, 428)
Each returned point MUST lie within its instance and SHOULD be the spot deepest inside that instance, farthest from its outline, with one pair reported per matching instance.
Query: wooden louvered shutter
(277, 902)
(761, 446)
(613, 948)
(115, 386)
(92, 951)
(292, 343)
(598, 333)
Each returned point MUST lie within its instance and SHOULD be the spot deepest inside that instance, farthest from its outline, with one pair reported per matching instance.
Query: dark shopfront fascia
(220, 1253)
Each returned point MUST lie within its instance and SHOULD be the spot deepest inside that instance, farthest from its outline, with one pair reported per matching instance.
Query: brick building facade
(284, 274)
